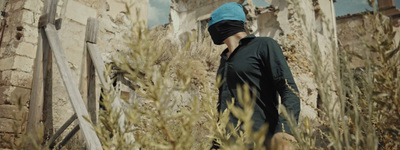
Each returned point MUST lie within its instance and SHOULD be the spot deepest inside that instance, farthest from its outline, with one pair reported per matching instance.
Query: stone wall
(283, 22)
(17, 52)
(19, 46)
(354, 32)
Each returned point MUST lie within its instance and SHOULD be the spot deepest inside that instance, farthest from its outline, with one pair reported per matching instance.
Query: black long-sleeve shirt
(259, 62)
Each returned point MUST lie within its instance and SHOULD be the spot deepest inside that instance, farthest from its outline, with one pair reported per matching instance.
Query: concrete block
(7, 125)
(4, 95)
(16, 78)
(26, 49)
(31, 34)
(14, 5)
(11, 95)
(27, 17)
(79, 12)
(7, 37)
(21, 79)
(13, 112)
(7, 140)
(6, 63)
(33, 5)
(5, 77)
(23, 63)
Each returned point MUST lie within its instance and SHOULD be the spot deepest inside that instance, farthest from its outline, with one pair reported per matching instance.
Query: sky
(159, 9)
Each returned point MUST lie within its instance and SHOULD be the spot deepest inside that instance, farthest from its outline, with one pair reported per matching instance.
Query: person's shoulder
(264, 39)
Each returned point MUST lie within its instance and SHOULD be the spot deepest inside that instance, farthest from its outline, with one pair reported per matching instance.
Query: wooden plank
(91, 89)
(48, 88)
(61, 130)
(68, 137)
(92, 141)
(91, 36)
(43, 20)
(92, 28)
(36, 99)
(98, 64)
(37, 92)
(51, 11)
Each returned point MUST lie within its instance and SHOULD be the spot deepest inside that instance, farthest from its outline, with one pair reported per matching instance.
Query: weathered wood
(58, 23)
(91, 33)
(61, 130)
(51, 10)
(39, 80)
(48, 88)
(68, 137)
(98, 64)
(92, 28)
(92, 141)
(36, 99)
(43, 21)
(91, 89)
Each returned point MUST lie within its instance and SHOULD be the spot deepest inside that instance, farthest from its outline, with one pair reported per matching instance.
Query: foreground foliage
(175, 100)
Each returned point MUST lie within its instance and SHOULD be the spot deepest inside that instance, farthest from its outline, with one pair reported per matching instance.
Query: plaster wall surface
(186, 15)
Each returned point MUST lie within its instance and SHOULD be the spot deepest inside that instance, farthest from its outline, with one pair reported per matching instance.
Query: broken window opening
(202, 29)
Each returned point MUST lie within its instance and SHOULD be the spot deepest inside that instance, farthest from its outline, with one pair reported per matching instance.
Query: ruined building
(19, 38)
(279, 22)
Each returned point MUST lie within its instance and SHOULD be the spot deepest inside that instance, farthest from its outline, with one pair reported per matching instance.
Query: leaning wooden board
(98, 64)
(92, 141)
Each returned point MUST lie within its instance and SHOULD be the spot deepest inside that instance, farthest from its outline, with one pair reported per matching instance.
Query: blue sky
(159, 9)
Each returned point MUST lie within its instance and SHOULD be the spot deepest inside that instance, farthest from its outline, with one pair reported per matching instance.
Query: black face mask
(224, 29)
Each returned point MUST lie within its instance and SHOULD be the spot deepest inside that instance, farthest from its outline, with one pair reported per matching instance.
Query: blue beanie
(228, 11)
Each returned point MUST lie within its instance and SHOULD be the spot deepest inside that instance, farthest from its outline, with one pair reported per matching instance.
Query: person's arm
(280, 72)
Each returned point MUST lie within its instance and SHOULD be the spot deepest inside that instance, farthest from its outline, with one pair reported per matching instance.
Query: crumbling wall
(348, 28)
(17, 51)
(354, 32)
(283, 22)
(186, 17)
(19, 46)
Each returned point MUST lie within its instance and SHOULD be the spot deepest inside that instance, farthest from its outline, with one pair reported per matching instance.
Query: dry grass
(364, 113)
(174, 103)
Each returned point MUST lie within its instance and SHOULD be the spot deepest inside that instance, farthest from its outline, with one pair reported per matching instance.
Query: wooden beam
(43, 20)
(36, 99)
(61, 130)
(68, 137)
(92, 27)
(98, 64)
(48, 90)
(51, 11)
(92, 141)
